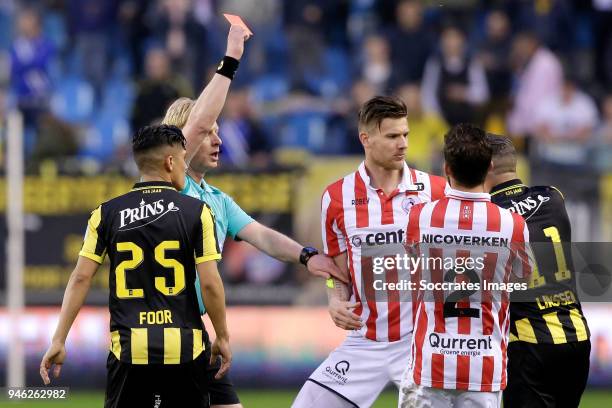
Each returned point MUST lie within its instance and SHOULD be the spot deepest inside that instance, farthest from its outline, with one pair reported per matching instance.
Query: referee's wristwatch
(306, 254)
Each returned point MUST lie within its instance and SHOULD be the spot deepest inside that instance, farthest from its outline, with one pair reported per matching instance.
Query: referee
(549, 341)
(156, 239)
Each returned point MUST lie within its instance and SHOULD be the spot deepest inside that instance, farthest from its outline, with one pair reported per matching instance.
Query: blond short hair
(178, 113)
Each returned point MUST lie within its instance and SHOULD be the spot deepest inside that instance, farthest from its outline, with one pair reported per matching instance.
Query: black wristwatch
(307, 253)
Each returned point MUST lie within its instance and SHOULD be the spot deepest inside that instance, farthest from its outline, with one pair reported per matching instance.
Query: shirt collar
(151, 184)
(205, 186)
(405, 184)
(508, 185)
(464, 195)
(202, 186)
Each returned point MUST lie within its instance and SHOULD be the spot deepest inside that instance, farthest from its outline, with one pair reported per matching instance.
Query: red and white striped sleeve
(334, 241)
(524, 258)
(438, 185)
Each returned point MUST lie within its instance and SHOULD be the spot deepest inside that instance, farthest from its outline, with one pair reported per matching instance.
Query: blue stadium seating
(73, 100)
(305, 130)
(269, 88)
(104, 136)
(117, 97)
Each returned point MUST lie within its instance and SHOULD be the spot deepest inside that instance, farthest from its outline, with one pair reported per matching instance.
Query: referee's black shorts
(222, 391)
(156, 385)
(546, 375)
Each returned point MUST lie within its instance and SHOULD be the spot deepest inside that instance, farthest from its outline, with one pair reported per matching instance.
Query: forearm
(205, 112)
(213, 295)
(74, 297)
(271, 242)
(337, 290)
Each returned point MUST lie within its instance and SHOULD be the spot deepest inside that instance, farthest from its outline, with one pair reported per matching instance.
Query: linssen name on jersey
(145, 211)
(464, 240)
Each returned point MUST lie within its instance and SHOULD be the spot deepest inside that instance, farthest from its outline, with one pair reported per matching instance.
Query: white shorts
(412, 395)
(359, 369)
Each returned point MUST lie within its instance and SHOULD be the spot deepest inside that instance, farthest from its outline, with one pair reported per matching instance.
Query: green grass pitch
(269, 399)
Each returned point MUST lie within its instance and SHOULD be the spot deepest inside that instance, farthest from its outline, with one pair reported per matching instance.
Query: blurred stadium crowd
(86, 73)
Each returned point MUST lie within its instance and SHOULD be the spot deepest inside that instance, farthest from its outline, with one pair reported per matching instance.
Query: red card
(237, 20)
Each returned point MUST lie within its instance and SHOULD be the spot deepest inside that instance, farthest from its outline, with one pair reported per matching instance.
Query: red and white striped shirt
(355, 213)
(462, 345)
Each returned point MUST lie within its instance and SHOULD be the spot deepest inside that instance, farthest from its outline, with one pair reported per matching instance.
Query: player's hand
(54, 355)
(221, 347)
(324, 266)
(342, 315)
(235, 41)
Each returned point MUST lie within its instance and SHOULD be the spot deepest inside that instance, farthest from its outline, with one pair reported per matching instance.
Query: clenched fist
(235, 41)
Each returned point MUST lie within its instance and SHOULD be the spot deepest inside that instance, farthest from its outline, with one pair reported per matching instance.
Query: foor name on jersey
(145, 211)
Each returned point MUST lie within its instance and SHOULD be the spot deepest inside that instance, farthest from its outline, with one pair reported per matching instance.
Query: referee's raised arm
(209, 104)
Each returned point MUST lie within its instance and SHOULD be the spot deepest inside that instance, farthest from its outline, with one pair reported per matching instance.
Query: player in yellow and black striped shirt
(548, 355)
(155, 239)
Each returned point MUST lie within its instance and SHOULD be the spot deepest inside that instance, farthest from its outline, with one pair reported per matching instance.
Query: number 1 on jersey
(562, 272)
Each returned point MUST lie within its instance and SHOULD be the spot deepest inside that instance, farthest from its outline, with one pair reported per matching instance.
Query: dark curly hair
(468, 154)
(151, 137)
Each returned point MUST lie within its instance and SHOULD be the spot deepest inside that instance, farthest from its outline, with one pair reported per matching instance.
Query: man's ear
(364, 139)
(169, 163)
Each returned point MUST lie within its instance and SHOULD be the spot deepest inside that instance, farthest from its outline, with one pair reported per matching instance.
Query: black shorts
(221, 392)
(156, 385)
(546, 375)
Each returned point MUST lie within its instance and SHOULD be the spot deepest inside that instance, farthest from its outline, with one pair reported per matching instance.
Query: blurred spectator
(376, 67)
(132, 18)
(539, 74)
(411, 43)
(304, 22)
(603, 147)
(564, 125)
(325, 17)
(604, 131)
(91, 24)
(568, 116)
(603, 40)
(158, 90)
(427, 130)
(31, 58)
(184, 38)
(361, 92)
(244, 143)
(494, 55)
(455, 84)
(57, 140)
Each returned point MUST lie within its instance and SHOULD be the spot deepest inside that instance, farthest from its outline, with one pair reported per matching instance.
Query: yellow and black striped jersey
(154, 237)
(550, 310)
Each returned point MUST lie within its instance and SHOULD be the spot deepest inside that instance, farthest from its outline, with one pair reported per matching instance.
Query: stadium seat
(269, 88)
(54, 28)
(6, 29)
(306, 130)
(105, 135)
(117, 97)
(73, 100)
